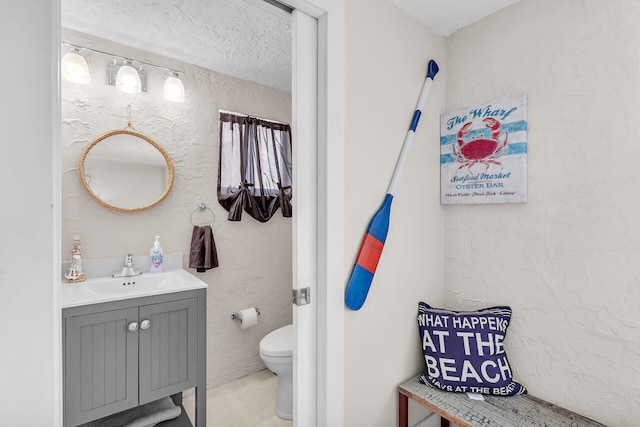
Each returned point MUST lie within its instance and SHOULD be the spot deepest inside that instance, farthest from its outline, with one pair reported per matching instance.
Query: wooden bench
(517, 411)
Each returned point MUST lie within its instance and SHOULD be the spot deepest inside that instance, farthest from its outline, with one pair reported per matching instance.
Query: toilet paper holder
(235, 316)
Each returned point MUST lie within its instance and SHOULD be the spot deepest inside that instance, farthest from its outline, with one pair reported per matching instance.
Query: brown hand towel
(203, 254)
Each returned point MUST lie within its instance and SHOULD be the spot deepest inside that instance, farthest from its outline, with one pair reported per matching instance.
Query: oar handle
(432, 70)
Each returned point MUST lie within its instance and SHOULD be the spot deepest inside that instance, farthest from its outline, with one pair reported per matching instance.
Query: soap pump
(156, 255)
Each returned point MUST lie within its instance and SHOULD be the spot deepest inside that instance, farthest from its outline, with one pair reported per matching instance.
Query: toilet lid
(278, 342)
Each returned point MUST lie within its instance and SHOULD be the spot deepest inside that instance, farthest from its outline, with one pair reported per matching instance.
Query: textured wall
(255, 259)
(386, 64)
(567, 261)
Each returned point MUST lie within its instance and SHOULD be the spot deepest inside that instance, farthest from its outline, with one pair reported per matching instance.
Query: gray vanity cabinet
(167, 350)
(101, 365)
(122, 354)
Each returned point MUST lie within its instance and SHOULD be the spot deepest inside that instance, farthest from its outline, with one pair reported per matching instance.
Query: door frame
(304, 256)
(328, 400)
(325, 395)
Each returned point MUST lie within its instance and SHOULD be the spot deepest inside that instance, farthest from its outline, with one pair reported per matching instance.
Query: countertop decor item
(75, 273)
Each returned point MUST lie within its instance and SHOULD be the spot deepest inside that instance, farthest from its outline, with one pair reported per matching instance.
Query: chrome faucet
(128, 270)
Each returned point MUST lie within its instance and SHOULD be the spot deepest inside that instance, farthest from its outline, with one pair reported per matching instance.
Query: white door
(305, 203)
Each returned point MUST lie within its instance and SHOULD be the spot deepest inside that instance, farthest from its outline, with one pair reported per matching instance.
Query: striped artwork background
(517, 142)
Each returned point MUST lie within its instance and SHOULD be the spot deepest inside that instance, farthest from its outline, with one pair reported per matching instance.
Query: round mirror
(126, 171)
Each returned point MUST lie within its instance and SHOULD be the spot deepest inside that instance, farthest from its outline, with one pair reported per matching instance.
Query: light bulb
(75, 68)
(128, 79)
(174, 89)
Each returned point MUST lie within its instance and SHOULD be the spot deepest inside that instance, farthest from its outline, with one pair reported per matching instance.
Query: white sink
(106, 289)
(106, 286)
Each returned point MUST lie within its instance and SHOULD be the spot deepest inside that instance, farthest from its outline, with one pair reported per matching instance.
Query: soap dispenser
(156, 255)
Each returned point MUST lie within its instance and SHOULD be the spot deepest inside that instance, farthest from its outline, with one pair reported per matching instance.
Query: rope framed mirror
(126, 171)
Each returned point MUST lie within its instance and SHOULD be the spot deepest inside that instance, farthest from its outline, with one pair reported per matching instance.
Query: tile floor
(246, 402)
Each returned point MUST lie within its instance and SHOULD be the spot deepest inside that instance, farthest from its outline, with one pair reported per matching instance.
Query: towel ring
(201, 207)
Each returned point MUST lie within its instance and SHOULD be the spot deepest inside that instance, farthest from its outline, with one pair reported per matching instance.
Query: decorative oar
(373, 242)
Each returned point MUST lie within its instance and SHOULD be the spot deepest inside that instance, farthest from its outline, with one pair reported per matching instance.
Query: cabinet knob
(133, 326)
(145, 324)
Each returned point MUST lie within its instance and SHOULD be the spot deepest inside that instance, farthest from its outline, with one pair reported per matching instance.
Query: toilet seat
(278, 343)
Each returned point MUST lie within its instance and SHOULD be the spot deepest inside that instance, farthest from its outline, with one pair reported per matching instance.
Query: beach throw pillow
(464, 351)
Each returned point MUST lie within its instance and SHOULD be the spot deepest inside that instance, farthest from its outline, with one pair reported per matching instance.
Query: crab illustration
(481, 149)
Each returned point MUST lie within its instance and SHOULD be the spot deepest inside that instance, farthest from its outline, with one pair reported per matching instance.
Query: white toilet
(276, 351)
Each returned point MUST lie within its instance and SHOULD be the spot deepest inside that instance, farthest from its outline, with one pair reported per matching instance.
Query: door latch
(301, 296)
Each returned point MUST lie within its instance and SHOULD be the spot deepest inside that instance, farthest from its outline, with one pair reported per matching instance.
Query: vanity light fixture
(127, 74)
(74, 67)
(173, 88)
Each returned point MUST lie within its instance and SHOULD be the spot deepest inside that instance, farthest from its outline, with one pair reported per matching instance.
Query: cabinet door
(101, 365)
(168, 348)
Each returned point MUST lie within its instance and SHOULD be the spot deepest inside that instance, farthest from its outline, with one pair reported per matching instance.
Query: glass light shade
(128, 79)
(75, 68)
(173, 89)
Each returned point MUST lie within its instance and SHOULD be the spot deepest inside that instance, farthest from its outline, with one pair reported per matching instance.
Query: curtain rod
(248, 115)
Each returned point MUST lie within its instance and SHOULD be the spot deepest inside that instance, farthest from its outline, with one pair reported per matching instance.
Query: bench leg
(403, 410)
(444, 422)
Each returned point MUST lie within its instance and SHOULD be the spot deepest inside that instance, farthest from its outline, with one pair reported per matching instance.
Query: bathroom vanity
(131, 341)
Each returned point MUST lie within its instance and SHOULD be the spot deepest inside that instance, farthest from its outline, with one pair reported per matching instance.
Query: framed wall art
(483, 153)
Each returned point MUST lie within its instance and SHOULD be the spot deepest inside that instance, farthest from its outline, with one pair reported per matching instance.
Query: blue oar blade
(368, 257)
(358, 287)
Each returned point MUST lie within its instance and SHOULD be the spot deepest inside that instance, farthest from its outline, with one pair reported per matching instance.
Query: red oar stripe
(370, 252)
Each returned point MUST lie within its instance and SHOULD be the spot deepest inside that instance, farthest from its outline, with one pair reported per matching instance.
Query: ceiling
(248, 39)
(448, 16)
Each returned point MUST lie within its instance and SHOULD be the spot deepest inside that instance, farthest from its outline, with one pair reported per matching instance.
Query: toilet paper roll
(248, 318)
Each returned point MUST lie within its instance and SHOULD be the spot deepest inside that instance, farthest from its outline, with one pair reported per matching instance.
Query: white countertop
(106, 289)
